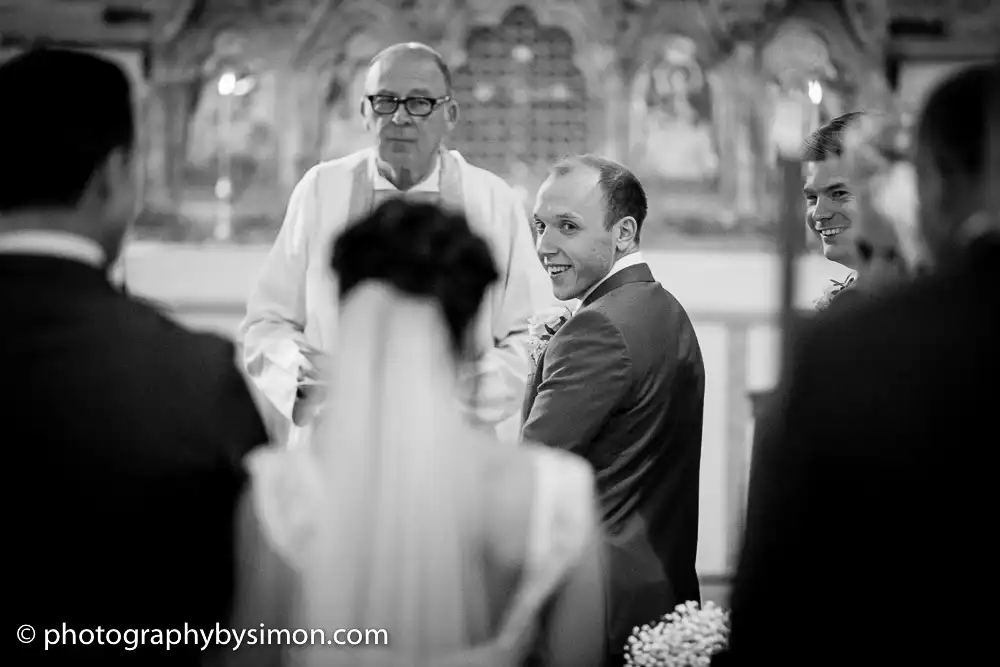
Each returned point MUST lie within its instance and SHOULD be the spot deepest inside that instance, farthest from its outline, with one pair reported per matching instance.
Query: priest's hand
(313, 376)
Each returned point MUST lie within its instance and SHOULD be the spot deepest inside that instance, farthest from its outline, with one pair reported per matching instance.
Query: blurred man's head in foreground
(67, 132)
(958, 159)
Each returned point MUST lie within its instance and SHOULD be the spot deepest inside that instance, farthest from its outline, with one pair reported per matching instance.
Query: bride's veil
(390, 551)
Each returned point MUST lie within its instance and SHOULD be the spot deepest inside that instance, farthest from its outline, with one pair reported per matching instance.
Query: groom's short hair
(828, 141)
(62, 113)
(623, 193)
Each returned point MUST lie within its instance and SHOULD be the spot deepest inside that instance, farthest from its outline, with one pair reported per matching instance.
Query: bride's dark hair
(422, 250)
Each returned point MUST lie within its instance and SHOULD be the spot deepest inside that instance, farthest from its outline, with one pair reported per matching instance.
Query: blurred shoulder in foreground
(867, 513)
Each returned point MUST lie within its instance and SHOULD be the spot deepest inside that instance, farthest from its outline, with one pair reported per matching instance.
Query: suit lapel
(532, 392)
(639, 273)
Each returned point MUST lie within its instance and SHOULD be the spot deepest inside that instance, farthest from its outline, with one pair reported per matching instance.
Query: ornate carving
(797, 55)
(173, 21)
(689, 18)
(869, 20)
(524, 101)
(672, 106)
(742, 19)
(959, 19)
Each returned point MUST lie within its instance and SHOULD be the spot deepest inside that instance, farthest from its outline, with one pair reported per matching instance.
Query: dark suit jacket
(124, 435)
(867, 539)
(622, 384)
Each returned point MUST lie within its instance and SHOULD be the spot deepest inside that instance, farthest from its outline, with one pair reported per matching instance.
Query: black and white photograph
(500, 333)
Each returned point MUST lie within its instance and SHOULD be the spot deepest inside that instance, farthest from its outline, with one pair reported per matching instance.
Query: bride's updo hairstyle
(421, 250)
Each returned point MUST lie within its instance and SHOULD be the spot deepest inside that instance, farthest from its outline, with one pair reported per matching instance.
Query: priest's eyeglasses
(421, 107)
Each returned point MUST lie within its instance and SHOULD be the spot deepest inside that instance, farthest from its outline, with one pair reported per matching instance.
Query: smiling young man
(831, 197)
(622, 384)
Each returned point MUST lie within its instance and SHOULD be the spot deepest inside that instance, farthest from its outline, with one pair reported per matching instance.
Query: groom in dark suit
(123, 432)
(622, 384)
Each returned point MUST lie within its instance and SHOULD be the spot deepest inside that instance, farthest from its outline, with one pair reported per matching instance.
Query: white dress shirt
(620, 265)
(53, 244)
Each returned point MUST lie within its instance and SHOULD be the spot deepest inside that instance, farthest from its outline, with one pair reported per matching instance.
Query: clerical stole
(364, 197)
(451, 196)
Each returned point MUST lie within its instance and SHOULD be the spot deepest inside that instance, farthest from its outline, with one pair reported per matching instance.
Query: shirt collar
(432, 183)
(623, 263)
(53, 244)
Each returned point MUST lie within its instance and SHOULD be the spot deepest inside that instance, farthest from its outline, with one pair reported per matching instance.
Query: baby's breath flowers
(687, 637)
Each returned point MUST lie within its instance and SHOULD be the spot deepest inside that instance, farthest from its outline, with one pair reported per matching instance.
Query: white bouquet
(687, 637)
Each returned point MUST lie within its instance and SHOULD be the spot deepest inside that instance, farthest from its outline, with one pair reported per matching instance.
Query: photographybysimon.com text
(130, 639)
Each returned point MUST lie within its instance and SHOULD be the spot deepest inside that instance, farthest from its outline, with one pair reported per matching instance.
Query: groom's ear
(627, 229)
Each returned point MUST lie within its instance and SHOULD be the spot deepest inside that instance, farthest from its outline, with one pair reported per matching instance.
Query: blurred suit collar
(46, 243)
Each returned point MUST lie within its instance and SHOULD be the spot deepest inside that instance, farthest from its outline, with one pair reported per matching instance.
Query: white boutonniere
(833, 291)
(542, 327)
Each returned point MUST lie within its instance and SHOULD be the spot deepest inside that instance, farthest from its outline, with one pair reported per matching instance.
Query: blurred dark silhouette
(125, 431)
(867, 534)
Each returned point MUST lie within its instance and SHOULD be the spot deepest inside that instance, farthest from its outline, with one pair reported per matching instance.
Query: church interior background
(237, 98)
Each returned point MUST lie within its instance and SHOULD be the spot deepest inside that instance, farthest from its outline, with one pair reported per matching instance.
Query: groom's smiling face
(572, 241)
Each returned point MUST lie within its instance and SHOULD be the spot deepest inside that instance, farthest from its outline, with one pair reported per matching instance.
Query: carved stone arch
(672, 99)
(850, 68)
(675, 19)
(798, 51)
(525, 101)
(592, 52)
(581, 19)
(742, 20)
(869, 21)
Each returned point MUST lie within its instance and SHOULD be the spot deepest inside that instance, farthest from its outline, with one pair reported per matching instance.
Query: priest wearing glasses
(292, 313)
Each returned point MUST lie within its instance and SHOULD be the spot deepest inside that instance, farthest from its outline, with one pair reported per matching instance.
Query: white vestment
(295, 304)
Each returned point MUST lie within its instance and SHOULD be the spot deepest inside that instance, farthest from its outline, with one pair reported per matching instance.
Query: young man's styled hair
(828, 141)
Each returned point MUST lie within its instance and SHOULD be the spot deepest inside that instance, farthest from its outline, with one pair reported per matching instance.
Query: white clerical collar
(622, 264)
(432, 183)
(53, 244)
